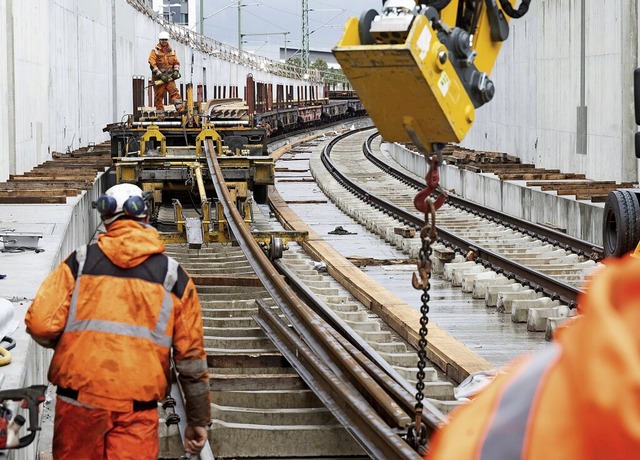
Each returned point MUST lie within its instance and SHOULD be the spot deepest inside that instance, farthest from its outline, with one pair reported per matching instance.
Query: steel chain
(425, 260)
(417, 432)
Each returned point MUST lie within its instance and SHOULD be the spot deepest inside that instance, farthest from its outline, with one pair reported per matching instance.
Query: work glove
(165, 77)
(157, 74)
(175, 75)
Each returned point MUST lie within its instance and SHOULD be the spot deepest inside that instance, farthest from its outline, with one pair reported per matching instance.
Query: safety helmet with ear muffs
(122, 200)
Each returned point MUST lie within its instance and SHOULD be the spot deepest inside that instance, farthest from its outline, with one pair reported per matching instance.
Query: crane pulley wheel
(364, 27)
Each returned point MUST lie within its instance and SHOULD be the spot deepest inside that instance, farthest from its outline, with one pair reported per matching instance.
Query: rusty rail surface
(339, 374)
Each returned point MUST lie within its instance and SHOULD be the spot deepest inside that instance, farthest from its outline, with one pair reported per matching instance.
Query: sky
(326, 22)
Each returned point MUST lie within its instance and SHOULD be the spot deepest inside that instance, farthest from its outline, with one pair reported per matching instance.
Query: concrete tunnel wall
(563, 58)
(67, 68)
(563, 82)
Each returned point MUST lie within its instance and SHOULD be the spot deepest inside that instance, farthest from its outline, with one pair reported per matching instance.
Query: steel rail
(549, 286)
(344, 402)
(546, 234)
(384, 373)
(355, 411)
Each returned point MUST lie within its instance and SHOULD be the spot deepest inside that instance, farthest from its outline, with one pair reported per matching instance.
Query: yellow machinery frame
(154, 172)
(406, 80)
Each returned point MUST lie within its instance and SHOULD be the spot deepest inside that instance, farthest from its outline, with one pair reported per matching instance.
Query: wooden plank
(37, 193)
(511, 166)
(536, 183)
(37, 185)
(599, 198)
(86, 172)
(246, 361)
(569, 187)
(540, 176)
(33, 200)
(52, 178)
(596, 198)
(584, 191)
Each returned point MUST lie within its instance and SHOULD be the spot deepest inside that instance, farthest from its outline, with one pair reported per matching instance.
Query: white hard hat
(122, 200)
(163, 35)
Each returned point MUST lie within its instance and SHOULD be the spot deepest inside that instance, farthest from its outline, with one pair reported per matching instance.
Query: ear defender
(106, 205)
(134, 206)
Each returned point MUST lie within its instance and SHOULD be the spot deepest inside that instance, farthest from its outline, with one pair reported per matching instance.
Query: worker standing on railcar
(115, 313)
(577, 399)
(165, 69)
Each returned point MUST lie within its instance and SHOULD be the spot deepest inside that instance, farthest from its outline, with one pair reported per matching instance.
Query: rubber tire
(260, 194)
(620, 223)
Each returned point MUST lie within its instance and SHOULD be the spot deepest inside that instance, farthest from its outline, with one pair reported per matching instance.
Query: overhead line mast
(305, 34)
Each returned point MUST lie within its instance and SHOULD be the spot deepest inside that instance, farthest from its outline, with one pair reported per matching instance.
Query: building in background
(314, 55)
(181, 12)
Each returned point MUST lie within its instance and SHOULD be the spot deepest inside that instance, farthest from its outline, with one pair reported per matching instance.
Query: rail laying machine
(167, 159)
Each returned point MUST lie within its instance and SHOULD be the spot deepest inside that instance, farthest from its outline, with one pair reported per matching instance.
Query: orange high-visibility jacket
(114, 318)
(163, 59)
(577, 399)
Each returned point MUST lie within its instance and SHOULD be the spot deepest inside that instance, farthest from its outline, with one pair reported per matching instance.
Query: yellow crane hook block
(406, 81)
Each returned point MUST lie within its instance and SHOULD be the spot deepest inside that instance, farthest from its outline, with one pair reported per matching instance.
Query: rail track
(476, 247)
(285, 361)
(269, 341)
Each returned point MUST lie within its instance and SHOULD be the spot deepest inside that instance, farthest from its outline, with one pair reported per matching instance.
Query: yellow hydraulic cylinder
(410, 89)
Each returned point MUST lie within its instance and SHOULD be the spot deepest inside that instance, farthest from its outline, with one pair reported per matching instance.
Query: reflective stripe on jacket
(115, 315)
(574, 400)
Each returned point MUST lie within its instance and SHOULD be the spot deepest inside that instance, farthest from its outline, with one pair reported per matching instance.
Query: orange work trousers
(174, 95)
(82, 433)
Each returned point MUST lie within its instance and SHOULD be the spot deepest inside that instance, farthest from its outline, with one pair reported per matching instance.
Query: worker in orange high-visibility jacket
(115, 313)
(577, 399)
(165, 69)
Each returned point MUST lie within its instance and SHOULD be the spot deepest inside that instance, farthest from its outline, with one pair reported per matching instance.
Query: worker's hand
(165, 77)
(175, 75)
(157, 74)
(194, 439)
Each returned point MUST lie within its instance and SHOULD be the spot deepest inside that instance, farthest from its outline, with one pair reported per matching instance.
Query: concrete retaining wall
(563, 58)
(582, 219)
(67, 68)
(64, 228)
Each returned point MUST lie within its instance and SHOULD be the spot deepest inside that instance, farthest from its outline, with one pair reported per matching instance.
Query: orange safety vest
(163, 58)
(116, 310)
(575, 400)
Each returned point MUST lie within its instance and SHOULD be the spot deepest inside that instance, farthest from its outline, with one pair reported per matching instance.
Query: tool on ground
(31, 398)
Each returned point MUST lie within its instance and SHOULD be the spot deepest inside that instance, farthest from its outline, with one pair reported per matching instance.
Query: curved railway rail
(553, 287)
(363, 392)
(292, 341)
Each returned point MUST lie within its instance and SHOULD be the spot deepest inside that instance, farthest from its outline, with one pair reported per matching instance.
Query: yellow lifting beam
(153, 132)
(408, 89)
(421, 71)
